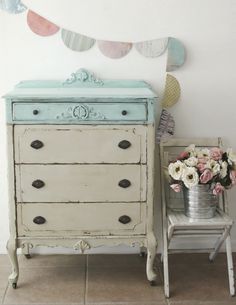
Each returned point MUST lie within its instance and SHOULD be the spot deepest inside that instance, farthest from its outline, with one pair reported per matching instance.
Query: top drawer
(78, 112)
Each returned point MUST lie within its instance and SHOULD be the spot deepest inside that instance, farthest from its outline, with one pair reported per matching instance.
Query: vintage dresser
(81, 165)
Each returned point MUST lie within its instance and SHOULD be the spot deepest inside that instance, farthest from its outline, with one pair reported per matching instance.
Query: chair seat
(178, 219)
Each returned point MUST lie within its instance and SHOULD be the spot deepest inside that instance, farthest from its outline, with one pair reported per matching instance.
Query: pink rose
(206, 176)
(201, 167)
(176, 187)
(183, 155)
(216, 153)
(233, 177)
(218, 189)
(203, 160)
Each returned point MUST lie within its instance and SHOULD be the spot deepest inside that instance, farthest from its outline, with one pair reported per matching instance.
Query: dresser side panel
(11, 181)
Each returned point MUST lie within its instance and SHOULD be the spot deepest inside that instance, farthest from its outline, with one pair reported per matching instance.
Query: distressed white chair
(176, 224)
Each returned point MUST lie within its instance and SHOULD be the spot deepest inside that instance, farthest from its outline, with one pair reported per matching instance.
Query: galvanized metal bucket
(199, 202)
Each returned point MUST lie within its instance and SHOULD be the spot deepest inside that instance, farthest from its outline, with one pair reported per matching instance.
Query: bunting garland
(176, 54)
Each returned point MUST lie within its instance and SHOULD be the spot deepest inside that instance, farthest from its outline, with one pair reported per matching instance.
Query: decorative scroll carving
(27, 245)
(96, 115)
(137, 244)
(82, 245)
(81, 112)
(83, 76)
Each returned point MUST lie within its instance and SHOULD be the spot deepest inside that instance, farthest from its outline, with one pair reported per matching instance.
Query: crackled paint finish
(103, 189)
(94, 100)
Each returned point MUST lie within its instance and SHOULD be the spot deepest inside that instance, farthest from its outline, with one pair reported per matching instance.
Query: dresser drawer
(78, 112)
(80, 144)
(80, 183)
(102, 218)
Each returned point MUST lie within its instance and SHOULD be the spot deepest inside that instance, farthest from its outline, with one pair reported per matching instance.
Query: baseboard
(3, 249)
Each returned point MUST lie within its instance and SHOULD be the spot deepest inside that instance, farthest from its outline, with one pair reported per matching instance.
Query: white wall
(207, 106)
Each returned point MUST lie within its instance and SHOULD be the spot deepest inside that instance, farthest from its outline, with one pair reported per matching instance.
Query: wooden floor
(115, 279)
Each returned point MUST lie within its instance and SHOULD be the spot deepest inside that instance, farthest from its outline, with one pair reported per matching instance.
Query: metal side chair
(175, 224)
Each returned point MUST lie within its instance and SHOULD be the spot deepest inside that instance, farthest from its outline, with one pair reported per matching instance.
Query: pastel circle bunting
(76, 42)
(40, 25)
(152, 48)
(176, 54)
(113, 49)
(172, 92)
(12, 6)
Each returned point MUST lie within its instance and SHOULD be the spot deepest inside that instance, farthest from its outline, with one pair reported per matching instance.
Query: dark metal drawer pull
(124, 144)
(38, 184)
(35, 112)
(124, 112)
(36, 144)
(39, 220)
(124, 219)
(124, 183)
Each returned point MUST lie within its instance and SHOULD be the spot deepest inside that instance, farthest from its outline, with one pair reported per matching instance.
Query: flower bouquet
(203, 174)
(196, 166)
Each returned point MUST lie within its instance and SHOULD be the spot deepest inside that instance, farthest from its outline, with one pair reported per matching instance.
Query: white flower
(176, 170)
(191, 150)
(191, 147)
(224, 168)
(216, 169)
(190, 177)
(192, 161)
(203, 153)
(231, 156)
(214, 166)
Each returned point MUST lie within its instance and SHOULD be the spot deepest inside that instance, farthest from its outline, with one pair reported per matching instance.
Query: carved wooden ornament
(82, 245)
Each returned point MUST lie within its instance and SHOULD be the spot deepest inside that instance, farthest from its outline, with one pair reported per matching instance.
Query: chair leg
(218, 244)
(165, 264)
(230, 266)
(170, 233)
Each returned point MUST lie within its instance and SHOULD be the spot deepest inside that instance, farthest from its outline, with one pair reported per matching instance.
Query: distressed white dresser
(81, 165)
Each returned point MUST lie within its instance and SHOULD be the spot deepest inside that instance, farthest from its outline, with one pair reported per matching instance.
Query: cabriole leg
(11, 248)
(151, 254)
(142, 251)
(26, 251)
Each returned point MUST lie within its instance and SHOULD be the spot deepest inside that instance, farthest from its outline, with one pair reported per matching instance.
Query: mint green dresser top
(81, 99)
